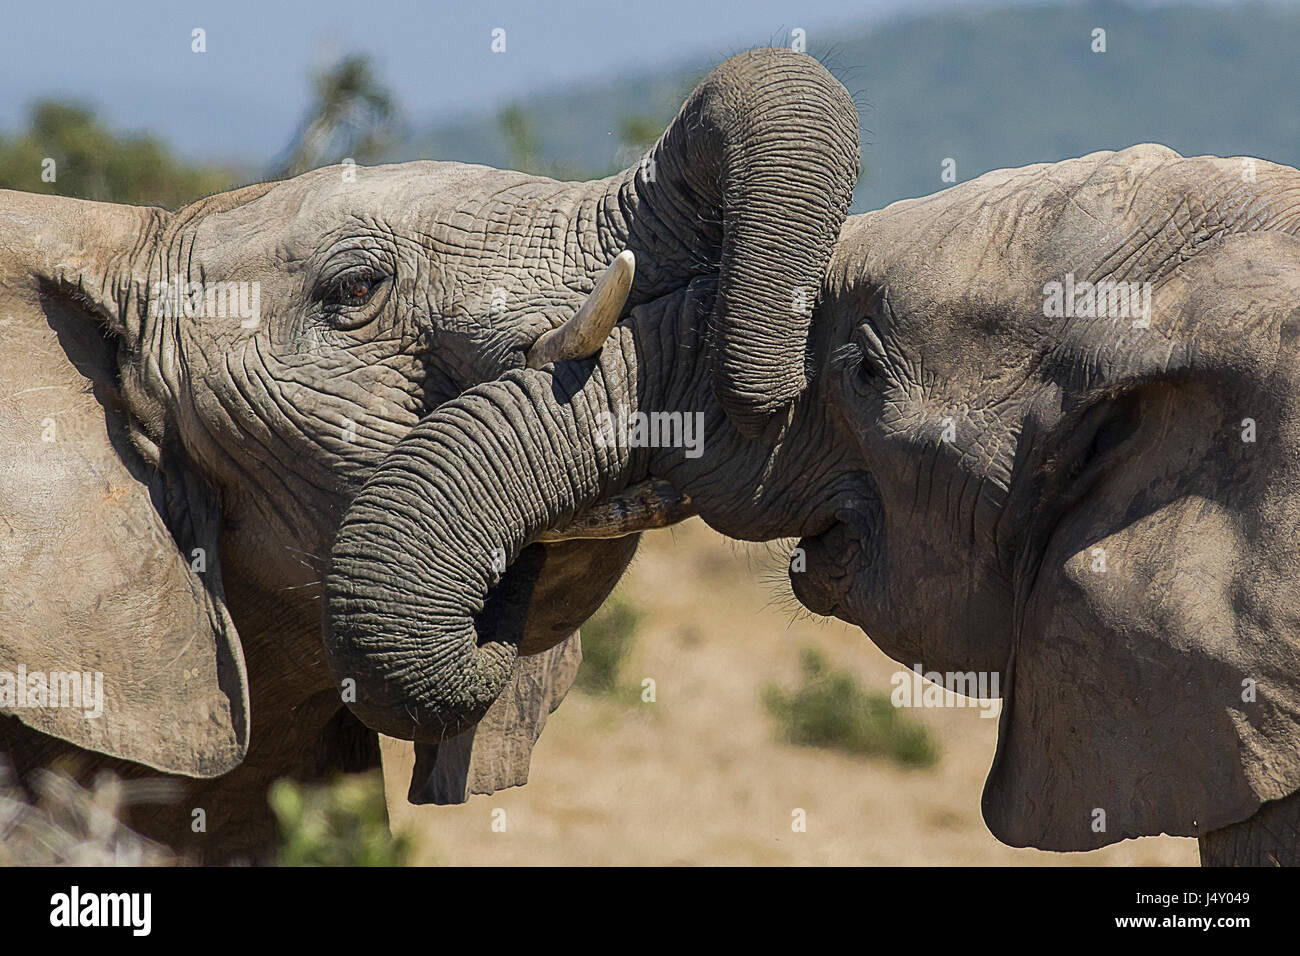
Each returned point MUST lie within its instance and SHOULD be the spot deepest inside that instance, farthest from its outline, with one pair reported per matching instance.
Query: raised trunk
(431, 577)
(750, 182)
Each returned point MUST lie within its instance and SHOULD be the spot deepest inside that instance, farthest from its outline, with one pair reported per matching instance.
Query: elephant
(190, 400)
(1044, 424)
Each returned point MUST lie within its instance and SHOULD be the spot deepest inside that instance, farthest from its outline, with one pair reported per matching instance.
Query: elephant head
(1051, 432)
(214, 385)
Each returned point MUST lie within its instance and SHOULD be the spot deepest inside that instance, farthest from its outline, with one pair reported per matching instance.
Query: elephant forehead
(492, 235)
(964, 225)
(396, 189)
(401, 199)
(990, 264)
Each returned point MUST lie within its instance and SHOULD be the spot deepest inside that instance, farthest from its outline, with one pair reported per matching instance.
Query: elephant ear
(109, 567)
(496, 752)
(1153, 680)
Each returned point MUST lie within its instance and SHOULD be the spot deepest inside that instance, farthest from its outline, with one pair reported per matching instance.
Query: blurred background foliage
(93, 162)
(65, 824)
(830, 709)
(342, 823)
(607, 640)
(353, 116)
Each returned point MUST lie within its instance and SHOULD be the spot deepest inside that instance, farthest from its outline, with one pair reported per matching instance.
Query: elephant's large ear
(109, 568)
(1153, 682)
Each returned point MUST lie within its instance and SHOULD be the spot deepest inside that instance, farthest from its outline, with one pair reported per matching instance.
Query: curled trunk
(433, 568)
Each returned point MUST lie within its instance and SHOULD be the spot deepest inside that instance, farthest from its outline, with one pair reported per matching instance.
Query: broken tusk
(649, 504)
(582, 336)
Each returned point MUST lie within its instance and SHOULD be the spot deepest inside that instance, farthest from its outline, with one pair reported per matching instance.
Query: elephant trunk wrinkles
(753, 177)
(432, 568)
(431, 575)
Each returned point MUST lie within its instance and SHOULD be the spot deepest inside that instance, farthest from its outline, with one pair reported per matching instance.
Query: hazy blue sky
(242, 98)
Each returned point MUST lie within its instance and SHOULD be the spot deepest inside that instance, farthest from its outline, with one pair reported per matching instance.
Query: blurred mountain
(986, 88)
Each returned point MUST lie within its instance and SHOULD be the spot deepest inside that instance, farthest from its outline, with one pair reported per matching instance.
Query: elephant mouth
(647, 505)
(832, 560)
(837, 555)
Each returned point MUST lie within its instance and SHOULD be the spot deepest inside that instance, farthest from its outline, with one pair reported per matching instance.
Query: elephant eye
(353, 290)
(864, 356)
(358, 290)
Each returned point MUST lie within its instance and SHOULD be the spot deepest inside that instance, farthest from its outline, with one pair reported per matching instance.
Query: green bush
(831, 710)
(606, 641)
(344, 823)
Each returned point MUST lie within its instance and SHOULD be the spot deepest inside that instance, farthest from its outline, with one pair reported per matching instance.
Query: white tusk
(582, 336)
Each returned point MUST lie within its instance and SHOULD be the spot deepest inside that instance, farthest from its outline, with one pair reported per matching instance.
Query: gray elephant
(1044, 424)
(189, 401)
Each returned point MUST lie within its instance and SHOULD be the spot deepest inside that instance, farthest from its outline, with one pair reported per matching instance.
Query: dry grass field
(699, 778)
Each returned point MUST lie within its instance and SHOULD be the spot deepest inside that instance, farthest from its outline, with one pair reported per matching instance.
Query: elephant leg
(1270, 838)
(310, 743)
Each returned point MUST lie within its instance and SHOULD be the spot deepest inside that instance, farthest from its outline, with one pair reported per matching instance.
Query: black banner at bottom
(335, 906)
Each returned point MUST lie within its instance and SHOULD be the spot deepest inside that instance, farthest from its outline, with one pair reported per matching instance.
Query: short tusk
(642, 507)
(582, 336)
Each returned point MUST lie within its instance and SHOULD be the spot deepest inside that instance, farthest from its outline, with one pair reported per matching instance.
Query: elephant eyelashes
(862, 357)
(353, 299)
(353, 290)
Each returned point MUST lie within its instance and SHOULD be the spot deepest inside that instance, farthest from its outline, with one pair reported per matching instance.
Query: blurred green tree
(607, 640)
(832, 710)
(67, 151)
(354, 116)
(639, 131)
(519, 138)
(524, 151)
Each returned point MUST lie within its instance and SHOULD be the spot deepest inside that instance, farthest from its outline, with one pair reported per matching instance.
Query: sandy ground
(698, 777)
